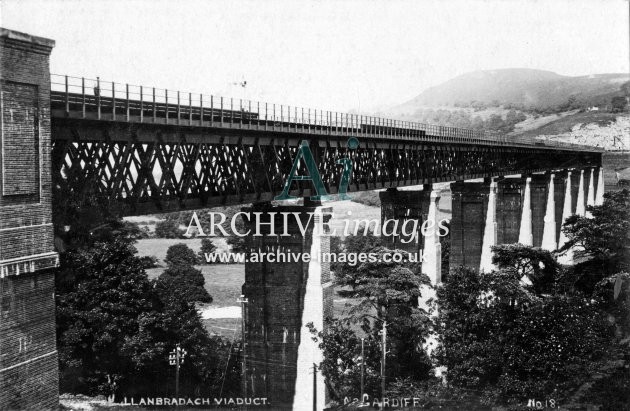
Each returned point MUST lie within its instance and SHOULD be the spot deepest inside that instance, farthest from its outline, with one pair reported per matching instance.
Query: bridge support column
(469, 210)
(509, 209)
(590, 198)
(432, 267)
(490, 230)
(432, 250)
(566, 258)
(580, 206)
(400, 206)
(28, 355)
(599, 197)
(540, 191)
(549, 242)
(525, 235)
(283, 296)
(560, 185)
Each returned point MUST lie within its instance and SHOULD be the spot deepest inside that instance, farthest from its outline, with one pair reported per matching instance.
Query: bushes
(168, 229)
(114, 330)
(207, 247)
(180, 254)
(498, 337)
(149, 261)
(187, 281)
(616, 304)
(182, 276)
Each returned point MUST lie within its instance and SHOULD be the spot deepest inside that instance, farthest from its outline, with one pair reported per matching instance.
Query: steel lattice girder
(148, 168)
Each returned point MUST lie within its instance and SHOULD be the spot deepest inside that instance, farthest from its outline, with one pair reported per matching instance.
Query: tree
(613, 296)
(149, 261)
(168, 229)
(352, 245)
(604, 240)
(187, 280)
(495, 122)
(180, 254)
(498, 337)
(207, 247)
(342, 360)
(535, 263)
(114, 330)
(389, 292)
(100, 293)
(618, 103)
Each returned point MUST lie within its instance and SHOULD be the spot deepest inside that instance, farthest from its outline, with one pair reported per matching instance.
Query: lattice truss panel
(161, 176)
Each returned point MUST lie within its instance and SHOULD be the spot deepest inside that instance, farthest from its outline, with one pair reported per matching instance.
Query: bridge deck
(150, 150)
(80, 98)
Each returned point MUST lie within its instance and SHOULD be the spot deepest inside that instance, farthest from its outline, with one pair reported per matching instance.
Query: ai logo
(304, 152)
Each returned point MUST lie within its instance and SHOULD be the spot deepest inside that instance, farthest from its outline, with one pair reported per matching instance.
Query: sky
(338, 55)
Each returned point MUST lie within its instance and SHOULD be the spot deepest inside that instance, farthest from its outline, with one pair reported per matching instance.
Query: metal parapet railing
(108, 100)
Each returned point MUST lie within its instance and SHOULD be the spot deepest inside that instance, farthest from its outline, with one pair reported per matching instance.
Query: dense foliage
(342, 360)
(115, 327)
(115, 331)
(182, 276)
(499, 337)
(180, 254)
(207, 247)
(534, 329)
(383, 292)
(603, 239)
(168, 228)
(187, 280)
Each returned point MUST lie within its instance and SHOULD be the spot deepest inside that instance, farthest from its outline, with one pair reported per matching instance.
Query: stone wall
(28, 356)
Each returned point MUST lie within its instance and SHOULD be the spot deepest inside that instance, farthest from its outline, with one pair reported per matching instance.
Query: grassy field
(157, 246)
(224, 281)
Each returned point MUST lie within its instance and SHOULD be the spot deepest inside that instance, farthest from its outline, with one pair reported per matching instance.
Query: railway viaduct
(150, 150)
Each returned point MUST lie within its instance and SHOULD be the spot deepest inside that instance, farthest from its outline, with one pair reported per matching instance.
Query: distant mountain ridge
(527, 89)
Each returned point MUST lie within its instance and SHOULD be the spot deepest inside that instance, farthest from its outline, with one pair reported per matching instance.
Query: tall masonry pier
(28, 355)
(283, 297)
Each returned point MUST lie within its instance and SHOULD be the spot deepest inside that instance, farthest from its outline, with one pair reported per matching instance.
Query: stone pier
(540, 193)
(549, 240)
(525, 235)
(590, 196)
(560, 184)
(490, 229)
(509, 209)
(404, 205)
(283, 296)
(468, 222)
(599, 197)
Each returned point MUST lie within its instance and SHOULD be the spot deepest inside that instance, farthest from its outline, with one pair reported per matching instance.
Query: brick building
(28, 355)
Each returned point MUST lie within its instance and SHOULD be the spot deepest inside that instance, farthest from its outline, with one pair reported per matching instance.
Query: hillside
(605, 130)
(519, 101)
(525, 89)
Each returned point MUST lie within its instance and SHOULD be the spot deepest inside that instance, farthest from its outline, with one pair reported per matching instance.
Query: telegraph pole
(362, 368)
(243, 301)
(176, 358)
(383, 355)
(315, 387)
